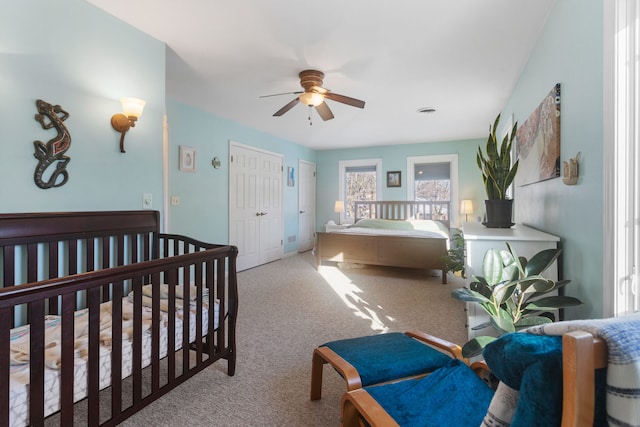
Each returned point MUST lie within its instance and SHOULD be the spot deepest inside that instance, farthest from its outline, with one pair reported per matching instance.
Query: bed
(394, 233)
(101, 314)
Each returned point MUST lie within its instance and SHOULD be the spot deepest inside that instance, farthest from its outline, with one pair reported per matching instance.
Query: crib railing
(203, 268)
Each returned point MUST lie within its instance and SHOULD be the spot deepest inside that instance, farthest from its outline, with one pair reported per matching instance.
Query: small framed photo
(187, 159)
(394, 179)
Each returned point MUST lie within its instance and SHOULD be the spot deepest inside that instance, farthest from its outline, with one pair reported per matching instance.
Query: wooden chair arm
(346, 369)
(581, 355)
(359, 403)
(446, 346)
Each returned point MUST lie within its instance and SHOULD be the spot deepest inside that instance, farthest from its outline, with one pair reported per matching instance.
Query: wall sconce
(338, 208)
(216, 163)
(132, 109)
(466, 208)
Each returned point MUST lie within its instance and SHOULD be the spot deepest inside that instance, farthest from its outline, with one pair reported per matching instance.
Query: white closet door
(271, 178)
(255, 205)
(244, 220)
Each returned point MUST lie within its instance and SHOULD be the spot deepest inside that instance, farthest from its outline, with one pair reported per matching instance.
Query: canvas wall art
(538, 142)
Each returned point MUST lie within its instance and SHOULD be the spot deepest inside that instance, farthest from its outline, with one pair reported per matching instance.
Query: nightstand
(334, 227)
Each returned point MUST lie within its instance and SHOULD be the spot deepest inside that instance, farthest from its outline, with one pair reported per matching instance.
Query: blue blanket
(622, 335)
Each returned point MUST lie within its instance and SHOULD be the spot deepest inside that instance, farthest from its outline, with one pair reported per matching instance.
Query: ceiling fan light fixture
(311, 99)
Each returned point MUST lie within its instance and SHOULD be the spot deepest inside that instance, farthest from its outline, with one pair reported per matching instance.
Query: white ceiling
(461, 57)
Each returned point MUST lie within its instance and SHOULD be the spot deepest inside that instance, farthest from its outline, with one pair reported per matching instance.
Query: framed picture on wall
(187, 159)
(394, 179)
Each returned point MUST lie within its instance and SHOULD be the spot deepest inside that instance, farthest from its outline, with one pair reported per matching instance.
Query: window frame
(342, 170)
(621, 184)
(452, 159)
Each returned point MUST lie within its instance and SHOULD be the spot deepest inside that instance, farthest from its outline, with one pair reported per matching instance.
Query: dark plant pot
(498, 213)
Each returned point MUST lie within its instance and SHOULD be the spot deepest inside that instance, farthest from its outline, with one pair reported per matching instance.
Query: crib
(101, 314)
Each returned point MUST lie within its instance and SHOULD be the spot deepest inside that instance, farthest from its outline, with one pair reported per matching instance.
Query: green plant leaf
(552, 303)
(541, 261)
(492, 267)
(503, 322)
(539, 284)
(528, 321)
(475, 346)
(467, 295)
(502, 292)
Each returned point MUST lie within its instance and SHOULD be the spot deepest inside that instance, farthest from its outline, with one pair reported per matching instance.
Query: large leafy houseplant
(497, 175)
(495, 164)
(512, 291)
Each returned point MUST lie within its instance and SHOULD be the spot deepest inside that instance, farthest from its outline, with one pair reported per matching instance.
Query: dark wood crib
(88, 307)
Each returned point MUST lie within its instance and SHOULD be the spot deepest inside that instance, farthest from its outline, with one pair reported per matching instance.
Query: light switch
(147, 201)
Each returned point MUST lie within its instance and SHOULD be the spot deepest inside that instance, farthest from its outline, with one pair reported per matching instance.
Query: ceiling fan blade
(344, 99)
(286, 108)
(324, 111)
(278, 94)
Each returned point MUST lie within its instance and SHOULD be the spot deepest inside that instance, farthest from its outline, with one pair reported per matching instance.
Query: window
(434, 179)
(359, 180)
(621, 158)
(433, 184)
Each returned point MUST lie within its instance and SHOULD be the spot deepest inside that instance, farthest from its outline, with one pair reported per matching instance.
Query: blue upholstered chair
(551, 379)
(376, 359)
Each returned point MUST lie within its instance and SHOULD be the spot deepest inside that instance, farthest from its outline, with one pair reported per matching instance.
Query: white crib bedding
(19, 379)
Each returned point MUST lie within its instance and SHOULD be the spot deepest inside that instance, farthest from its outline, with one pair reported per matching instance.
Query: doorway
(306, 205)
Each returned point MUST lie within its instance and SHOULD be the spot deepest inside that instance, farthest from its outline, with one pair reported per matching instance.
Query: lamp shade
(311, 99)
(132, 107)
(466, 207)
(339, 206)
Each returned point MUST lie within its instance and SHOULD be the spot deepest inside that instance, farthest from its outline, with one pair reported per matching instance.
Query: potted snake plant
(497, 175)
(512, 291)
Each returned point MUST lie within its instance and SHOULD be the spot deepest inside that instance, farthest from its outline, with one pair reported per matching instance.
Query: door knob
(301, 211)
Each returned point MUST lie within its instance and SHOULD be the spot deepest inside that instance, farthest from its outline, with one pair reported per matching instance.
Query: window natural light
(351, 296)
(621, 158)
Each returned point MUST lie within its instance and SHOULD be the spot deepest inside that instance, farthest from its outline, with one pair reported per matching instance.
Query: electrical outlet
(175, 200)
(147, 201)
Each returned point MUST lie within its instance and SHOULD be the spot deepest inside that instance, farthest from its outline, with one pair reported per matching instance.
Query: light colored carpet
(286, 309)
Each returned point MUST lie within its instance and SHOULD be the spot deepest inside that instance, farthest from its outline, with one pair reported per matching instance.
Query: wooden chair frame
(323, 355)
(582, 354)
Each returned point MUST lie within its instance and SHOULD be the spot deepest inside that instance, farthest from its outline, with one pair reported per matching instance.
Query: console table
(478, 239)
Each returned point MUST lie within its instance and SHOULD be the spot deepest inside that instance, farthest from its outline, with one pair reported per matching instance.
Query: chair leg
(322, 355)
(317, 365)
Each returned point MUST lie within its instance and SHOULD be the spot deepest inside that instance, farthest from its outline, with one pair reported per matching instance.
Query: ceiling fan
(314, 95)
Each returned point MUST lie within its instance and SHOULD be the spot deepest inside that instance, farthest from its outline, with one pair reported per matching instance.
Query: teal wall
(73, 54)
(570, 52)
(394, 157)
(68, 52)
(204, 195)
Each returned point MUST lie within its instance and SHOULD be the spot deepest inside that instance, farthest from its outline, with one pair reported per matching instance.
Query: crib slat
(198, 343)
(137, 340)
(67, 363)
(172, 277)
(93, 365)
(155, 333)
(186, 280)
(53, 272)
(116, 356)
(6, 318)
(36, 363)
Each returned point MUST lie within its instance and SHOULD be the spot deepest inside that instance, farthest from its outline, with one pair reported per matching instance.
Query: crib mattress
(19, 379)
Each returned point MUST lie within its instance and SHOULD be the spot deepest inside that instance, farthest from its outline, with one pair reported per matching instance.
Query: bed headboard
(402, 210)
